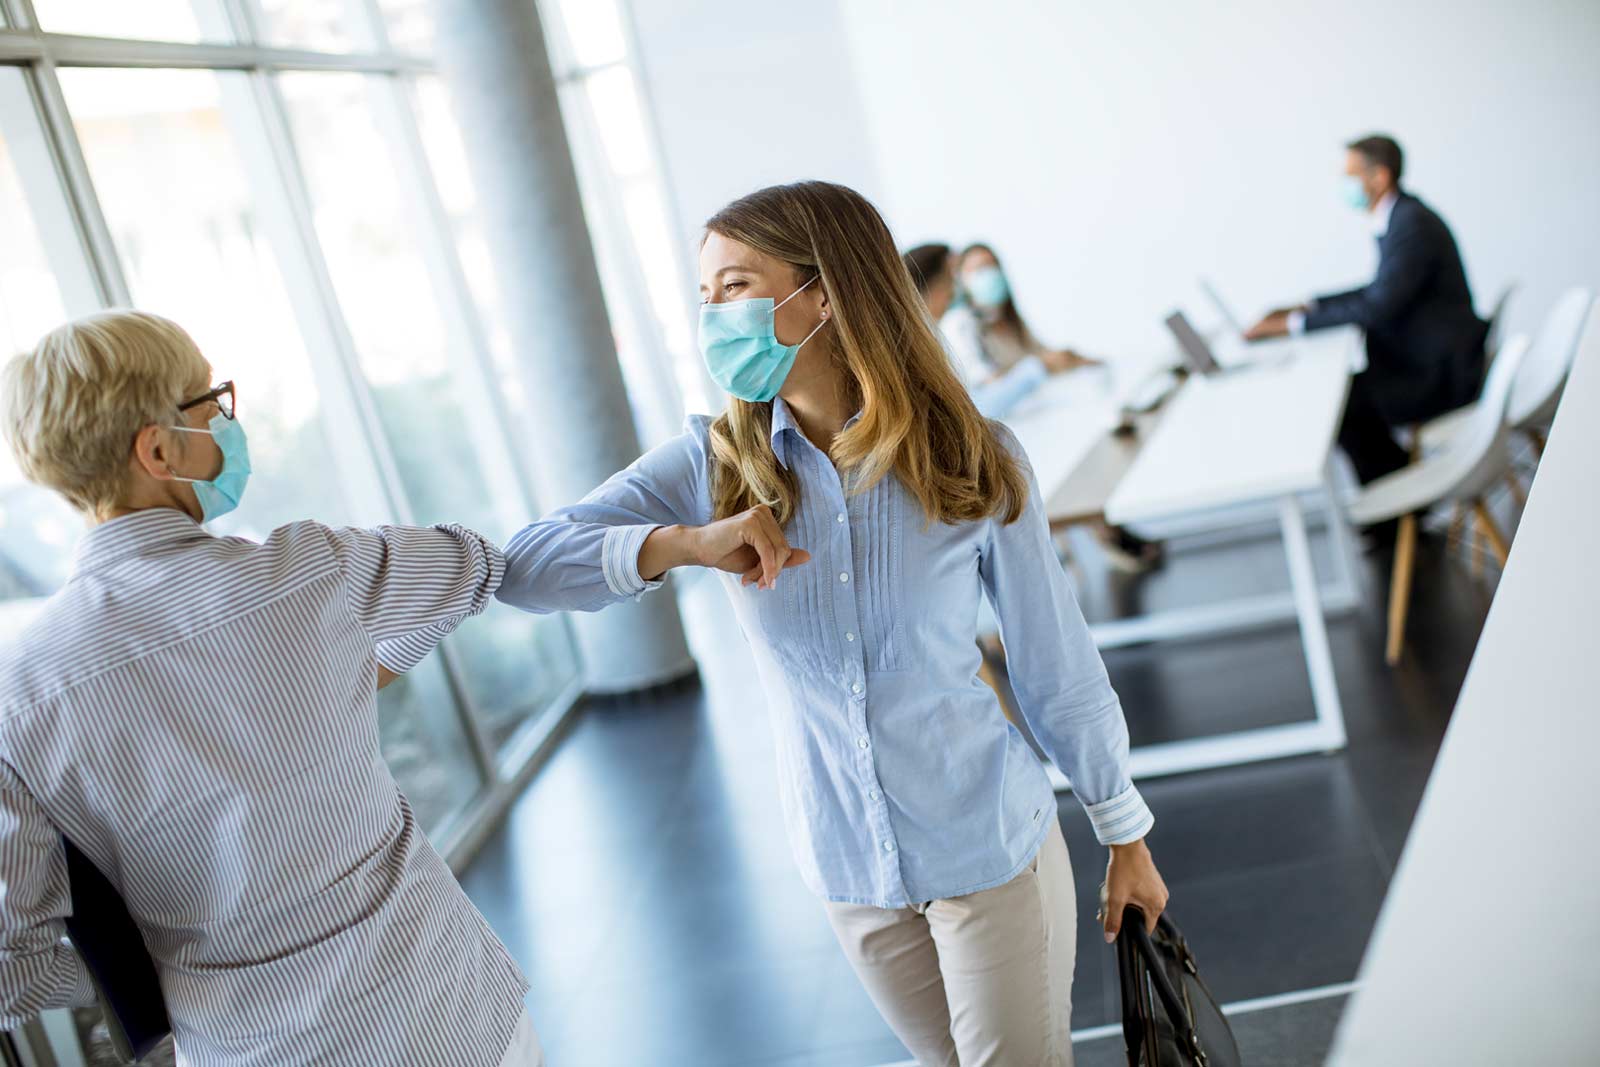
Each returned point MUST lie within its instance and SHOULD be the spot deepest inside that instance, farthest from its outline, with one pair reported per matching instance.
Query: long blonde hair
(917, 420)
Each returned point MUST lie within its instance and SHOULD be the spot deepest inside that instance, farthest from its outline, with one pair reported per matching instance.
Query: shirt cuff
(620, 560)
(1121, 820)
(1297, 323)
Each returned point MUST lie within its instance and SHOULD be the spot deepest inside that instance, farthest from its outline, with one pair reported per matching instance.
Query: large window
(281, 177)
(625, 198)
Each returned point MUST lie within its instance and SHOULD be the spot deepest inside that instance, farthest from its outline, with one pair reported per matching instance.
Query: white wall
(1113, 152)
(748, 95)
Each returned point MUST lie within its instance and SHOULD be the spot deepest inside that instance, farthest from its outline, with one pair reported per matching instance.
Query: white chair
(1544, 373)
(1463, 470)
(1497, 325)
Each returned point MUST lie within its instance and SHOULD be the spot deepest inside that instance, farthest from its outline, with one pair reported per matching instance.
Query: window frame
(278, 188)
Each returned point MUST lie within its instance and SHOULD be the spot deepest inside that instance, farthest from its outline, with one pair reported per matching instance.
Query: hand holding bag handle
(1137, 957)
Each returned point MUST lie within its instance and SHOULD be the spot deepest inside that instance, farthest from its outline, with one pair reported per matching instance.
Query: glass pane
(368, 222)
(324, 25)
(410, 24)
(423, 744)
(37, 528)
(168, 166)
(620, 121)
(594, 31)
(174, 191)
(152, 20)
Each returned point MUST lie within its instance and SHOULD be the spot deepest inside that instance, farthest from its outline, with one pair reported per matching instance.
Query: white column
(492, 53)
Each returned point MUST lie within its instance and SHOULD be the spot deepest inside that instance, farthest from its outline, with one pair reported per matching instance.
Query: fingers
(762, 533)
(766, 553)
(1112, 917)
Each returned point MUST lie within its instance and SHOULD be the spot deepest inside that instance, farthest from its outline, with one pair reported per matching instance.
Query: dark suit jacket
(1424, 340)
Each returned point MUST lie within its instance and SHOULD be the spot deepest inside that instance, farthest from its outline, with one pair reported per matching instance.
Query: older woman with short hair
(197, 714)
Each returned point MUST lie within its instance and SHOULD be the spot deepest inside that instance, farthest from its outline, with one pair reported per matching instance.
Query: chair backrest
(1476, 456)
(1544, 371)
(1497, 323)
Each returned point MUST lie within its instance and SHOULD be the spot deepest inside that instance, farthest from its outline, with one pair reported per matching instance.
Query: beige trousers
(983, 980)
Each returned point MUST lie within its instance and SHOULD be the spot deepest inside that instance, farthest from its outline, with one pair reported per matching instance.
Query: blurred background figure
(1424, 340)
(1004, 339)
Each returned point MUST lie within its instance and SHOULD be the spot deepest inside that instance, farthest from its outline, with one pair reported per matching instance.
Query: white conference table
(1261, 433)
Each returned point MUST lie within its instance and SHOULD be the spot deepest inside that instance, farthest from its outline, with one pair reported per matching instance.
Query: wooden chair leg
(1457, 521)
(1491, 530)
(1515, 485)
(1405, 550)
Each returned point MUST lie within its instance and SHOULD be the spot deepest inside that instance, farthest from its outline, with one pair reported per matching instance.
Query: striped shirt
(198, 715)
(901, 781)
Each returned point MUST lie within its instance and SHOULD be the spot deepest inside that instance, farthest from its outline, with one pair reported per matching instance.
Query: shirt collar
(1381, 213)
(783, 419)
(133, 535)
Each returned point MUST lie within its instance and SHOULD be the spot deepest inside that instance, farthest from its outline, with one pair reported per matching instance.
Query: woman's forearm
(666, 548)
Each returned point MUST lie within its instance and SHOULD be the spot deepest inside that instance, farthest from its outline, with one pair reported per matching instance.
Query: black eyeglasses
(222, 396)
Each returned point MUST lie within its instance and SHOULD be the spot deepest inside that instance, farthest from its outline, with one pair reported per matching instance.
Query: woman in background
(1003, 335)
(916, 811)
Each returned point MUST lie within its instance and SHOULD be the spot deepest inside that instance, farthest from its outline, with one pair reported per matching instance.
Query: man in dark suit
(1424, 341)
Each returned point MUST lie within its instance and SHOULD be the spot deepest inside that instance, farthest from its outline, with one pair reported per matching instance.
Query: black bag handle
(1138, 941)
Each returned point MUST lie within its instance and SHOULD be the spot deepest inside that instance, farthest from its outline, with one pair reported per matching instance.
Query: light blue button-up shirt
(901, 780)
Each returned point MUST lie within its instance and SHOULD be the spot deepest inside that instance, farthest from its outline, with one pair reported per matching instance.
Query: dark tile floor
(645, 885)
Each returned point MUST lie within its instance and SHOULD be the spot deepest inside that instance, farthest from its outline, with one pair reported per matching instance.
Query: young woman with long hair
(866, 506)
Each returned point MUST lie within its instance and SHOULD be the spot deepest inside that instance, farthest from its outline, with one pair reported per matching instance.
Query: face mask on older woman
(221, 494)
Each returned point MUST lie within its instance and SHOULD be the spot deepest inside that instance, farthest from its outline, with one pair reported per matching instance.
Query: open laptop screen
(1195, 349)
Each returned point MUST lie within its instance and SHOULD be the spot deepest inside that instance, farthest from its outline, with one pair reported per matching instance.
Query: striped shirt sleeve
(39, 969)
(411, 586)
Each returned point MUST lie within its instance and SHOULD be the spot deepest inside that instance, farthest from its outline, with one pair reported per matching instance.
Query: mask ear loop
(790, 297)
(190, 429)
(794, 294)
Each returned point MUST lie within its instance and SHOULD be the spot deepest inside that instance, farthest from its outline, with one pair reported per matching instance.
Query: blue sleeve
(586, 557)
(1061, 685)
(997, 397)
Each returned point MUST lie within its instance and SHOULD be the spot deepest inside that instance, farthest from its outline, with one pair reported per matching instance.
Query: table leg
(1313, 630)
(1346, 557)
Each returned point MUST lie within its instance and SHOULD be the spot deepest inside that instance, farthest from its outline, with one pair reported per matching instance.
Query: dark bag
(113, 949)
(1169, 1017)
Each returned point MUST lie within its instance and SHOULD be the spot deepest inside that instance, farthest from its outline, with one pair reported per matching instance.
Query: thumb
(797, 556)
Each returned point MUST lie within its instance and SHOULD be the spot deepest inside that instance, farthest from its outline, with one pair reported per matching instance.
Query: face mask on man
(740, 349)
(221, 494)
(1355, 194)
(987, 287)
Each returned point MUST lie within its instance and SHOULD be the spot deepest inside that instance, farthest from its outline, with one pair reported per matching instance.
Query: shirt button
(849, 637)
(872, 795)
(840, 519)
(861, 742)
(888, 846)
(843, 576)
(856, 688)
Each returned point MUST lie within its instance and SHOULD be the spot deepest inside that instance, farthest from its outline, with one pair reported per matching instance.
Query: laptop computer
(1196, 352)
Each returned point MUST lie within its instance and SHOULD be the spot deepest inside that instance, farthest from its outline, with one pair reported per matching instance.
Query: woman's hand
(1131, 878)
(1064, 359)
(750, 544)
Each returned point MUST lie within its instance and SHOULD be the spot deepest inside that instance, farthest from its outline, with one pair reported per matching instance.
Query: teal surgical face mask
(1355, 194)
(221, 494)
(740, 349)
(987, 287)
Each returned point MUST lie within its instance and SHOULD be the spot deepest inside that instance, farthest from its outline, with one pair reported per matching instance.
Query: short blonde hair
(72, 407)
